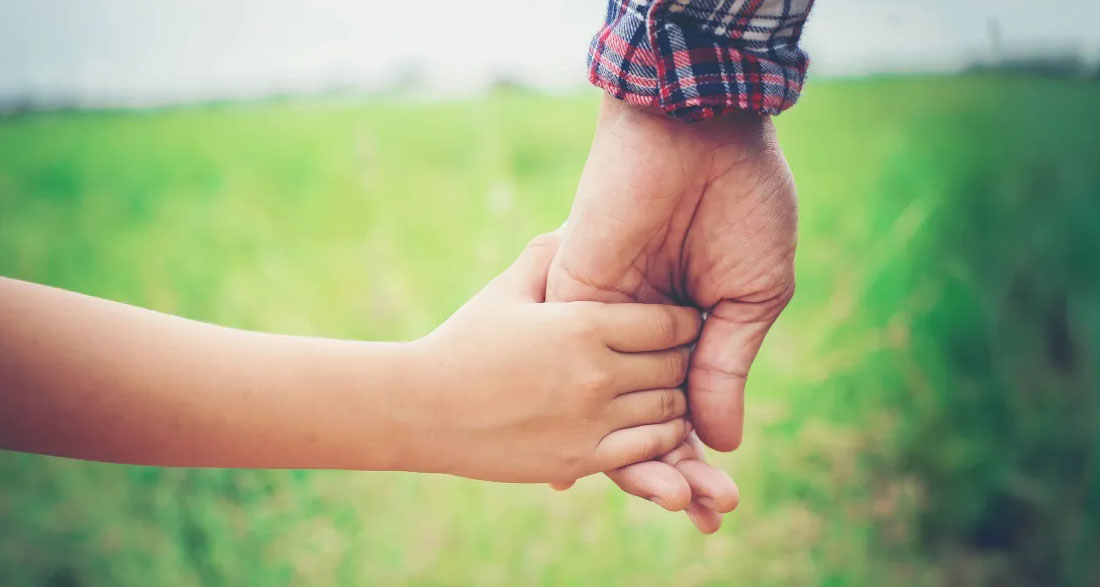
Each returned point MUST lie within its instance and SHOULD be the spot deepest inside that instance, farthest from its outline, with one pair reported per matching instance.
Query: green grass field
(925, 413)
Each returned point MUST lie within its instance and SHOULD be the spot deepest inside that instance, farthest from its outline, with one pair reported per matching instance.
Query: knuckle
(672, 405)
(582, 321)
(594, 379)
(648, 449)
(587, 404)
(672, 368)
(664, 325)
(787, 294)
(681, 360)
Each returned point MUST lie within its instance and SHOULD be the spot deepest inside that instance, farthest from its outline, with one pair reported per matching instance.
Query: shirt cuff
(696, 59)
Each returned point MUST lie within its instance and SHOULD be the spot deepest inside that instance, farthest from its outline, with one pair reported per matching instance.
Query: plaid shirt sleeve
(696, 59)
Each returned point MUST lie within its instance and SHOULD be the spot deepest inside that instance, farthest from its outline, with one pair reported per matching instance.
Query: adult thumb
(525, 279)
(731, 337)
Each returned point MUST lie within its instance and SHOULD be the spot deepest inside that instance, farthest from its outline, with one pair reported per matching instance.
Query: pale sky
(145, 52)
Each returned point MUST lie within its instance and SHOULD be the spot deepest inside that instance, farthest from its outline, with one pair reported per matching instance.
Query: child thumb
(526, 278)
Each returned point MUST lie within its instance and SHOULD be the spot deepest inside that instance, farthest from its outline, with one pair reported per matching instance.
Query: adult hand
(700, 214)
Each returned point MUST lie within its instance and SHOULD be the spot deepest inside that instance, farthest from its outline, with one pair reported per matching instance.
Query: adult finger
(710, 486)
(705, 519)
(658, 482)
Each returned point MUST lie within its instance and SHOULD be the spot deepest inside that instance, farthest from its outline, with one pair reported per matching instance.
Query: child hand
(523, 391)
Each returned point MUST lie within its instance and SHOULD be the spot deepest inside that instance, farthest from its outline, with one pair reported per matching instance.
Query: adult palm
(697, 214)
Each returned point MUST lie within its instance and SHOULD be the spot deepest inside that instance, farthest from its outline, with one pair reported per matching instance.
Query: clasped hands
(702, 215)
(671, 222)
(621, 374)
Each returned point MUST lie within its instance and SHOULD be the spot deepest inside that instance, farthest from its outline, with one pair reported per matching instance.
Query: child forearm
(88, 378)
(508, 389)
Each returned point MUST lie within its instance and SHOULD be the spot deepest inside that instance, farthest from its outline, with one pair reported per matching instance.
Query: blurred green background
(925, 413)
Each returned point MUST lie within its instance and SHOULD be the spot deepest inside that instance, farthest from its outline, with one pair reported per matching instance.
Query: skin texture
(703, 215)
(569, 387)
(508, 389)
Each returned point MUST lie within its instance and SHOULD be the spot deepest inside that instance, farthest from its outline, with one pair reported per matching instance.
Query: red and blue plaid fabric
(696, 59)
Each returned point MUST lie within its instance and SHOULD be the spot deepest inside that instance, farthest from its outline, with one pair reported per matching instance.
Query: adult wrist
(749, 131)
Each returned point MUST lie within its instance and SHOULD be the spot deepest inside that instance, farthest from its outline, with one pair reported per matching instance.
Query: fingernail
(659, 501)
(708, 503)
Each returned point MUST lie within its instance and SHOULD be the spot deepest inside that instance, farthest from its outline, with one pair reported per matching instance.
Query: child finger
(641, 443)
(647, 407)
(632, 328)
(652, 370)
